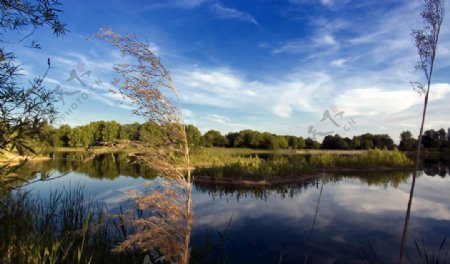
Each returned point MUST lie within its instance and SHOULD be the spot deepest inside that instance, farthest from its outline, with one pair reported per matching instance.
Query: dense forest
(101, 133)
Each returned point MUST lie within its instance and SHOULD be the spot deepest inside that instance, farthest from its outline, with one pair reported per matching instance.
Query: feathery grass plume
(426, 41)
(148, 85)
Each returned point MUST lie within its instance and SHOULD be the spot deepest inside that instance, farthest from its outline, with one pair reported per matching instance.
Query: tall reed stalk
(426, 41)
(146, 84)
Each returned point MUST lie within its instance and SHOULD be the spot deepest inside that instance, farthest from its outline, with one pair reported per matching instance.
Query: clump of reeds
(255, 168)
(65, 228)
(58, 230)
(370, 159)
(288, 166)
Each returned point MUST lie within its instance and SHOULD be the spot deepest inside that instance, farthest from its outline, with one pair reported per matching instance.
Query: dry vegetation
(148, 86)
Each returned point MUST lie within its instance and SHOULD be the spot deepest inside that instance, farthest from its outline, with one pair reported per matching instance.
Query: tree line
(101, 133)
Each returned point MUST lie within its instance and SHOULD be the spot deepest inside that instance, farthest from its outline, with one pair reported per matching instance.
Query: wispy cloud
(187, 4)
(320, 42)
(224, 12)
(325, 40)
(323, 37)
(338, 62)
(327, 2)
(226, 89)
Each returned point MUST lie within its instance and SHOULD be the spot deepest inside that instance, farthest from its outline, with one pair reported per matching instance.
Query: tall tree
(407, 142)
(194, 135)
(22, 109)
(214, 138)
(426, 42)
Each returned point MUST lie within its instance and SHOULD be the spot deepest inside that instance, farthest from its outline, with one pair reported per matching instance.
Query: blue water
(360, 217)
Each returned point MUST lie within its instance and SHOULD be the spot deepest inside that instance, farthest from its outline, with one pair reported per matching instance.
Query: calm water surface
(360, 216)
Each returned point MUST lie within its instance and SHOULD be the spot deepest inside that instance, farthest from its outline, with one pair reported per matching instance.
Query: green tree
(407, 142)
(64, 133)
(129, 131)
(296, 142)
(383, 141)
(193, 135)
(110, 131)
(214, 138)
(81, 136)
(22, 109)
(234, 139)
(334, 142)
(151, 132)
(356, 143)
(366, 144)
(268, 141)
(431, 139)
(250, 138)
(279, 142)
(311, 144)
(97, 128)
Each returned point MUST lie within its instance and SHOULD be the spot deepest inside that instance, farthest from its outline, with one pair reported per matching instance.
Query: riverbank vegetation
(67, 227)
(113, 134)
(293, 166)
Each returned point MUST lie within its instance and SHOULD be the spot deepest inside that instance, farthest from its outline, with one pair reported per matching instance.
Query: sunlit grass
(371, 159)
(226, 164)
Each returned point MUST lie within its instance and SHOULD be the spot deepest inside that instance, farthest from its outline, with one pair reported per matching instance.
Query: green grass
(254, 168)
(228, 165)
(66, 228)
(370, 159)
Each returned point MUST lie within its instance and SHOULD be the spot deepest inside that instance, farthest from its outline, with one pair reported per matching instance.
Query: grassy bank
(276, 167)
(251, 164)
(273, 165)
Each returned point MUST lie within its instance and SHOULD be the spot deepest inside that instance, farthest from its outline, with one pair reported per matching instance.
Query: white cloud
(338, 62)
(222, 77)
(322, 38)
(224, 12)
(219, 118)
(374, 100)
(313, 45)
(326, 39)
(294, 46)
(187, 4)
(282, 110)
(330, 4)
(223, 123)
(379, 101)
(327, 2)
(225, 89)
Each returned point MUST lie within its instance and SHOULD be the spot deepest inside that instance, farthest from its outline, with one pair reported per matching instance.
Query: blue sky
(266, 65)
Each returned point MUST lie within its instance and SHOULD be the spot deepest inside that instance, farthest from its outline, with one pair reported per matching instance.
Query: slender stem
(416, 165)
(189, 201)
(439, 13)
(413, 184)
(314, 223)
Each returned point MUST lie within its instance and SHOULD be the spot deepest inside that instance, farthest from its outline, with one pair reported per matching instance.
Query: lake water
(360, 215)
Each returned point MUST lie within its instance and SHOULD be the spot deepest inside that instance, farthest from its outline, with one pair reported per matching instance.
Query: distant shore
(242, 166)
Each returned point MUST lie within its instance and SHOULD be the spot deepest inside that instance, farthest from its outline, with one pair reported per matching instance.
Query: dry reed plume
(148, 86)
